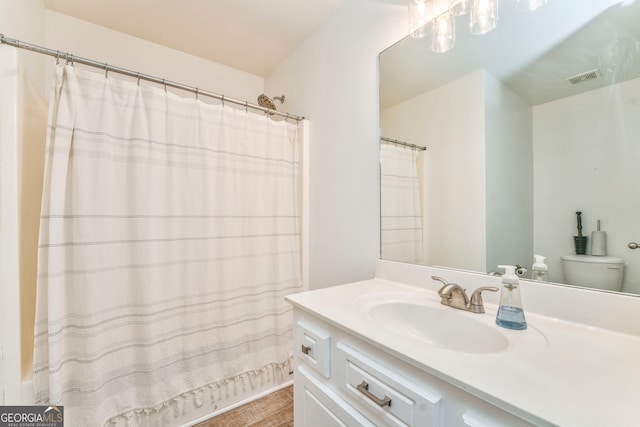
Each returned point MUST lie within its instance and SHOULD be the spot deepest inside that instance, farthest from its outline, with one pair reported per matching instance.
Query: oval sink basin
(444, 327)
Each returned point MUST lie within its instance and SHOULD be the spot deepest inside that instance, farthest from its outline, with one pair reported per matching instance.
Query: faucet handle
(440, 279)
(446, 287)
(476, 304)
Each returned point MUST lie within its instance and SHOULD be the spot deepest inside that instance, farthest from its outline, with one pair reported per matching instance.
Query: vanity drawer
(317, 405)
(313, 346)
(394, 399)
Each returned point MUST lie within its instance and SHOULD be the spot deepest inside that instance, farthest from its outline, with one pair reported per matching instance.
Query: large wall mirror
(523, 127)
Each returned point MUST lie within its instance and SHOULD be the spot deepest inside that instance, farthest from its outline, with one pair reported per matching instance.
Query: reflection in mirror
(401, 190)
(525, 126)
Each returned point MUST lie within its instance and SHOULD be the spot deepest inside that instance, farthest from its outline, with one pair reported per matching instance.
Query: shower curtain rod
(110, 68)
(404, 144)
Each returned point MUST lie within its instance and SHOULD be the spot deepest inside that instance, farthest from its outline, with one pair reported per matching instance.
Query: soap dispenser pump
(539, 271)
(510, 313)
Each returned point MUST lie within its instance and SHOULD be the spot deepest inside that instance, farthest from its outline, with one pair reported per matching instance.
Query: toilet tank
(599, 272)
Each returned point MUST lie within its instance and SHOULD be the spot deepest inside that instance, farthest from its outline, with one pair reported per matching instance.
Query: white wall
(332, 79)
(21, 110)
(509, 176)
(453, 132)
(588, 143)
(84, 39)
(10, 363)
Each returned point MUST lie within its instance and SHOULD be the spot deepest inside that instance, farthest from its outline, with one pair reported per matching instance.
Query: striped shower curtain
(169, 239)
(401, 220)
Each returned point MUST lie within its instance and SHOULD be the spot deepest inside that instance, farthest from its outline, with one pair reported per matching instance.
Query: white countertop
(555, 372)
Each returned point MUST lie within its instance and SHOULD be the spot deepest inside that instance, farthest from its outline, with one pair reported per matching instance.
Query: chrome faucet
(455, 296)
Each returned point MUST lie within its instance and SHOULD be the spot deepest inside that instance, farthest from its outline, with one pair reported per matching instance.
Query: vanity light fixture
(459, 7)
(444, 33)
(420, 18)
(483, 17)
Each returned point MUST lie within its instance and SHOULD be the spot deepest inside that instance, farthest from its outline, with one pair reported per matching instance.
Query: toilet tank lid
(593, 259)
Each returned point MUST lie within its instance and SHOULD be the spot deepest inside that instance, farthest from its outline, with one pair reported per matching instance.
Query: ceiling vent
(583, 77)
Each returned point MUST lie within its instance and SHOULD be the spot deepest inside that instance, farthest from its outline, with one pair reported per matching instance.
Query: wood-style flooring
(273, 410)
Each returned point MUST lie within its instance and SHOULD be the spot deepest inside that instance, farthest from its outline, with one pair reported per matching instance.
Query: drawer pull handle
(363, 388)
(306, 349)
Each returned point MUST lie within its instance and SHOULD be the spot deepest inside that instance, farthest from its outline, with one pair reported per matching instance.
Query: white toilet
(600, 272)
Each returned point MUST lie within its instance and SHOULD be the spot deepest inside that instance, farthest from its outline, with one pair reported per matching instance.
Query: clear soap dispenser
(539, 271)
(510, 313)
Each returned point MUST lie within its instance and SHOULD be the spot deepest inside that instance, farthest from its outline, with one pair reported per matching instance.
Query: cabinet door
(316, 405)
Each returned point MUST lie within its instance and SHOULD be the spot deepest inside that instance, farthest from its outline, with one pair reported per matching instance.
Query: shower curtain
(401, 219)
(169, 239)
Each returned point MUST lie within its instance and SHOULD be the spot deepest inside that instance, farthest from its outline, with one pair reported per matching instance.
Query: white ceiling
(249, 35)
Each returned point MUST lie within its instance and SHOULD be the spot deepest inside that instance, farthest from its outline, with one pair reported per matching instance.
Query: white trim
(306, 209)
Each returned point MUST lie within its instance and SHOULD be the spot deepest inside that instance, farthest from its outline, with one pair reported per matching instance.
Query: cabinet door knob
(363, 388)
(306, 349)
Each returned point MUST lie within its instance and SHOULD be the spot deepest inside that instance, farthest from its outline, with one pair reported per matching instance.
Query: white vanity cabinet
(341, 380)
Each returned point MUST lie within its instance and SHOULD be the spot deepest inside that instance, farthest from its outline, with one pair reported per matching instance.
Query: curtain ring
(57, 57)
(106, 70)
(223, 100)
(138, 77)
(196, 94)
(246, 106)
(164, 83)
